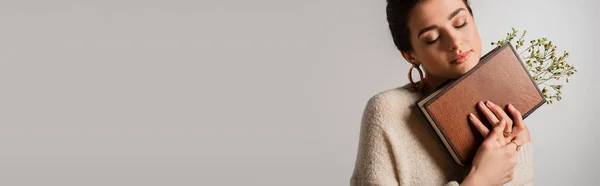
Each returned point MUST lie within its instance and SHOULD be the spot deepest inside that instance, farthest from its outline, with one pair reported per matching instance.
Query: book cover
(500, 77)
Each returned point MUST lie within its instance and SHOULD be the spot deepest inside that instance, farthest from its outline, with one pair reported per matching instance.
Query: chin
(464, 68)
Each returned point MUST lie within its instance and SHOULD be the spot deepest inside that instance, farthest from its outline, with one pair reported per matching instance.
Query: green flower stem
(541, 61)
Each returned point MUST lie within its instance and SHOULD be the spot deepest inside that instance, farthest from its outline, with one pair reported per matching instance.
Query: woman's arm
(375, 161)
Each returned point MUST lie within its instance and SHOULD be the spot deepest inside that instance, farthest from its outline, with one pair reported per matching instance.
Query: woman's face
(444, 38)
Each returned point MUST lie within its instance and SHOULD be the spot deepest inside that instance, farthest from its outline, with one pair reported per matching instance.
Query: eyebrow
(452, 15)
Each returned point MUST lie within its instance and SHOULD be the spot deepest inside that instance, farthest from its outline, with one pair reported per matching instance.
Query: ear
(410, 57)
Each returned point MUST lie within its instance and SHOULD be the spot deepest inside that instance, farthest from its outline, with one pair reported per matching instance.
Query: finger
(496, 134)
(502, 141)
(488, 114)
(518, 120)
(518, 142)
(479, 125)
(500, 114)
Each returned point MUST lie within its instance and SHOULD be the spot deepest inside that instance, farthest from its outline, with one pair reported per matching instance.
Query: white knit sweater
(397, 146)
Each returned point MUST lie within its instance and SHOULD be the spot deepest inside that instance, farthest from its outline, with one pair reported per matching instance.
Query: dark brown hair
(398, 12)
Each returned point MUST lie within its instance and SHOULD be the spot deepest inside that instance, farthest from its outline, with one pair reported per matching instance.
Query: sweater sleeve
(375, 164)
(524, 169)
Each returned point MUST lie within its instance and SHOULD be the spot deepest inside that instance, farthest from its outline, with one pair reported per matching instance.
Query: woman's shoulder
(391, 105)
(403, 96)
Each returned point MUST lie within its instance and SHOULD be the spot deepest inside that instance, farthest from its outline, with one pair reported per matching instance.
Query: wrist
(473, 179)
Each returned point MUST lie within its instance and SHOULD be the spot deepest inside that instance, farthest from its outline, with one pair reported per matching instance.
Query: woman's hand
(519, 133)
(495, 159)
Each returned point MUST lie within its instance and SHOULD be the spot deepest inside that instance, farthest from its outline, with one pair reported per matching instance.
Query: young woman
(398, 147)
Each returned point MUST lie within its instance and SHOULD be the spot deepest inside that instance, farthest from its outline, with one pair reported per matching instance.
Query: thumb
(497, 131)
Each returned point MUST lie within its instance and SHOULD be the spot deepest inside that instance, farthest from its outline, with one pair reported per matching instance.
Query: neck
(432, 82)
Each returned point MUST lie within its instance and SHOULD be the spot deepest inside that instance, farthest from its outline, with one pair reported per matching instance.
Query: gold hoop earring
(416, 86)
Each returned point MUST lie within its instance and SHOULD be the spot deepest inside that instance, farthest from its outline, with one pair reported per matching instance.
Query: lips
(461, 58)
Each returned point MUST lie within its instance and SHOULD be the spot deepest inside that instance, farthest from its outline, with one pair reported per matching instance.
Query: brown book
(500, 77)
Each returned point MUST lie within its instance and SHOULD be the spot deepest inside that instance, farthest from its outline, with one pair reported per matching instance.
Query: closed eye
(459, 26)
(432, 41)
(463, 25)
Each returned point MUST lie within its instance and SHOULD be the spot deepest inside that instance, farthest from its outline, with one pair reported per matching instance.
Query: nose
(454, 41)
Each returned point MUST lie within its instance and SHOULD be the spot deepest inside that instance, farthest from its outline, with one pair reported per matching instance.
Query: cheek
(473, 37)
(432, 53)
(434, 62)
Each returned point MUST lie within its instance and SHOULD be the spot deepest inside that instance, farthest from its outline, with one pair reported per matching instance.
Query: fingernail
(471, 116)
(490, 104)
(511, 106)
(481, 104)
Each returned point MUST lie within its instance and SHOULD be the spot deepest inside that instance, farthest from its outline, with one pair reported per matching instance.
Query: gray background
(242, 92)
